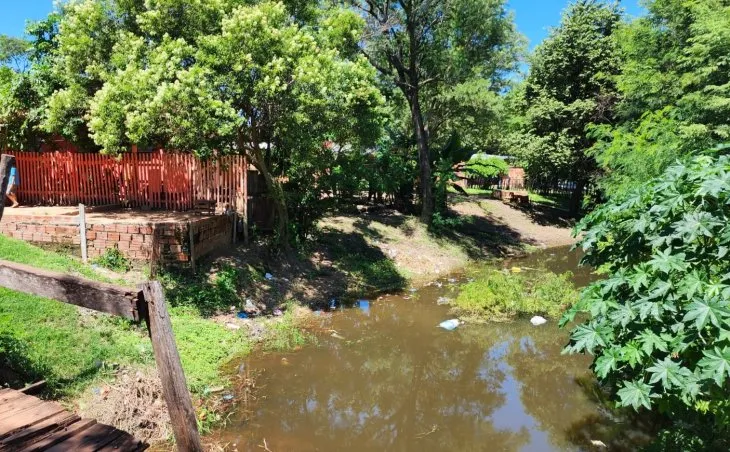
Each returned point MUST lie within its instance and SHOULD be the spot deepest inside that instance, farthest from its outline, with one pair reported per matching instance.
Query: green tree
(659, 324)
(188, 76)
(433, 52)
(570, 85)
(674, 89)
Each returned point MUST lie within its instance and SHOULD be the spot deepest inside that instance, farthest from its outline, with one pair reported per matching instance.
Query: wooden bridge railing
(147, 304)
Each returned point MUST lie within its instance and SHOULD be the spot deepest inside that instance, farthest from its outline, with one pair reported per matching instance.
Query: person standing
(13, 182)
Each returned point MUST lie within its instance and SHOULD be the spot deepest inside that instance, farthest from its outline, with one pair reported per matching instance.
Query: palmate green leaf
(623, 314)
(670, 373)
(641, 277)
(586, 338)
(651, 341)
(631, 353)
(607, 362)
(648, 308)
(691, 284)
(660, 289)
(715, 186)
(635, 394)
(702, 311)
(716, 364)
(696, 224)
(665, 261)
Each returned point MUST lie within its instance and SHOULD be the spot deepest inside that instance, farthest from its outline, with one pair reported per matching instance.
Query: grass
(500, 295)
(557, 201)
(72, 348)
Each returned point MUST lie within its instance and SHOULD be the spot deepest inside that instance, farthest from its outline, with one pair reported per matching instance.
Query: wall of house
(160, 242)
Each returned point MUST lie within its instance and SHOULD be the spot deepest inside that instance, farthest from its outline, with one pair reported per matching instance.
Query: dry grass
(133, 402)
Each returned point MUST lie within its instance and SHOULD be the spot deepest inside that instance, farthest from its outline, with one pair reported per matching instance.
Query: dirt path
(536, 226)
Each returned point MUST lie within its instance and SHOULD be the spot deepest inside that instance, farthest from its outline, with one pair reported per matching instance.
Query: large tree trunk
(276, 191)
(424, 160)
(576, 198)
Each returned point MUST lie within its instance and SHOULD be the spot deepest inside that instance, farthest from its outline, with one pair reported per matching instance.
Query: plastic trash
(449, 324)
(278, 312)
(268, 276)
(228, 397)
(452, 280)
(413, 290)
(516, 270)
(233, 326)
(364, 306)
(537, 320)
(242, 315)
(333, 303)
(443, 300)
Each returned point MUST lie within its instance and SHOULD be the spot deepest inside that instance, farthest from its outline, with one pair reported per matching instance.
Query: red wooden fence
(156, 179)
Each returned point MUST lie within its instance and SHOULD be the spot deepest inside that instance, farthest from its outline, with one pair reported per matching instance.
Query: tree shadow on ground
(481, 237)
(546, 215)
(19, 368)
(337, 264)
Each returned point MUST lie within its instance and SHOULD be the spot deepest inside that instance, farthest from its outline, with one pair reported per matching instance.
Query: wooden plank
(61, 435)
(94, 295)
(28, 416)
(90, 439)
(174, 387)
(39, 431)
(82, 233)
(34, 388)
(124, 442)
(20, 402)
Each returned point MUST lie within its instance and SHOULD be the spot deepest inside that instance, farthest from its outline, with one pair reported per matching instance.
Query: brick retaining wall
(163, 242)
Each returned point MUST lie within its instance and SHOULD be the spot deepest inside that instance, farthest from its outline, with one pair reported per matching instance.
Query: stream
(391, 380)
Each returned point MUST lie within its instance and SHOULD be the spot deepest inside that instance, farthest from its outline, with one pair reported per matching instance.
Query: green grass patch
(15, 250)
(45, 339)
(204, 347)
(286, 333)
(498, 295)
(557, 201)
(72, 348)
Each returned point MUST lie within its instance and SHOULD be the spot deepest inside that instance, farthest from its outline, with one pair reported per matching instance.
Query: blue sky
(534, 17)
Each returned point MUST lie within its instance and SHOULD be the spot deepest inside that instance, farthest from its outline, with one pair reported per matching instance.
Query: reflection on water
(396, 382)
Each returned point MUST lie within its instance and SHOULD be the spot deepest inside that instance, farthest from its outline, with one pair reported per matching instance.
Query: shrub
(659, 325)
(497, 295)
(113, 259)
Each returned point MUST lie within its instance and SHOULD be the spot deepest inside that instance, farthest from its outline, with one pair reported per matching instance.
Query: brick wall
(163, 242)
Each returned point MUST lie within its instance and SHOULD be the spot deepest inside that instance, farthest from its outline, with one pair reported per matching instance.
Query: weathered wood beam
(174, 387)
(108, 298)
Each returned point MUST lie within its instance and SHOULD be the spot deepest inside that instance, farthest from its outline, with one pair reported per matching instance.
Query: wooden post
(245, 200)
(82, 231)
(6, 162)
(234, 226)
(174, 387)
(191, 238)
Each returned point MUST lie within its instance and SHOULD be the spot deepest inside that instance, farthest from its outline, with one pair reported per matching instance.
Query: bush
(659, 325)
(497, 295)
(113, 259)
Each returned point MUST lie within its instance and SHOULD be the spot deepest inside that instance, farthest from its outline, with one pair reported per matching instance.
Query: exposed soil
(370, 253)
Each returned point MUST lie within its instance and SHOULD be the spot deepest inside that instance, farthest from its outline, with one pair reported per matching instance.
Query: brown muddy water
(390, 380)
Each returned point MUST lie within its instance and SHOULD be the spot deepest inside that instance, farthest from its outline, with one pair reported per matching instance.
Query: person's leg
(12, 196)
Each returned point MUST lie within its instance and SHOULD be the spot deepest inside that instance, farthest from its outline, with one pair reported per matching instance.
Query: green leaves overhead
(660, 321)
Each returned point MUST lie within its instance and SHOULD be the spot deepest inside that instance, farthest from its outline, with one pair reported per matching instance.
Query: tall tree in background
(570, 85)
(429, 47)
(674, 89)
(270, 81)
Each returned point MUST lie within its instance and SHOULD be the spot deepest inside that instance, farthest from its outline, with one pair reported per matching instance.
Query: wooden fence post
(6, 162)
(191, 237)
(174, 387)
(82, 231)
